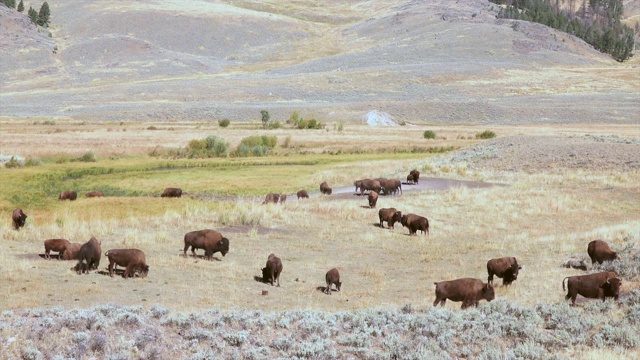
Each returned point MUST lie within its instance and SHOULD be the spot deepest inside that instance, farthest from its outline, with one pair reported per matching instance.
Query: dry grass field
(542, 216)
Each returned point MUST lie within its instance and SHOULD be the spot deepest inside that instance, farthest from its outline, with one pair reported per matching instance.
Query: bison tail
(106, 253)
(563, 288)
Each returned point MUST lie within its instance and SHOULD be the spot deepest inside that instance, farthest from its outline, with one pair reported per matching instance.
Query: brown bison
(131, 259)
(172, 193)
(593, 286)
(505, 268)
(283, 198)
(600, 251)
(271, 198)
(373, 199)
(302, 194)
(92, 194)
(57, 245)
(325, 189)
(390, 215)
(19, 218)
(469, 291)
(209, 240)
(72, 251)
(271, 272)
(415, 176)
(414, 223)
(332, 277)
(68, 195)
(89, 256)
(410, 179)
(391, 186)
(357, 184)
(370, 185)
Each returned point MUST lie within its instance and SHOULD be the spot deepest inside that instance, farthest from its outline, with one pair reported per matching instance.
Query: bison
(357, 184)
(373, 199)
(271, 272)
(370, 185)
(332, 277)
(593, 286)
(19, 218)
(72, 251)
(414, 223)
(600, 251)
(131, 259)
(325, 189)
(68, 195)
(391, 186)
(172, 193)
(57, 245)
(415, 175)
(410, 179)
(469, 291)
(209, 240)
(92, 194)
(302, 194)
(89, 256)
(390, 215)
(505, 268)
(283, 198)
(271, 198)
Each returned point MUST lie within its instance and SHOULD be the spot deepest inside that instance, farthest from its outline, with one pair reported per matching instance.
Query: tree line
(597, 22)
(37, 17)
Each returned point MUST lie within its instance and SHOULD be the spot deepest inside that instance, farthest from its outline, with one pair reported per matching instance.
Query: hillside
(420, 61)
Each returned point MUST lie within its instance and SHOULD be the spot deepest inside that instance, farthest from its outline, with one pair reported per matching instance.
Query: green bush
(89, 156)
(32, 162)
(274, 125)
(212, 146)
(12, 163)
(487, 134)
(224, 123)
(308, 124)
(429, 134)
(256, 145)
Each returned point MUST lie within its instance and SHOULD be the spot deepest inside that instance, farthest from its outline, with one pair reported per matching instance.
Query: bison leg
(46, 254)
(111, 269)
(328, 289)
(490, 279)
(439, 300)
(128, 272)
(278, 278)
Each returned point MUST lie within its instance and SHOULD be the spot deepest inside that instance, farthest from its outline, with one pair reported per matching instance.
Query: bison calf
(271, 272)
(172, 193)
(302, 194)
(19, 218)
(390, 215)
(469, 291)
(593, 286)
(209, 240)
(414, 223)
(332, 277)
(506, 268)
(57, 245)
(271, 198)
(89, 256)
(600, 251)
(373, 199)
(68, 195)
(131, 259)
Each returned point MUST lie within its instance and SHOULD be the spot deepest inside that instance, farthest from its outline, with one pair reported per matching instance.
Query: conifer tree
(43, 15)
(33, 15)
(21, 6)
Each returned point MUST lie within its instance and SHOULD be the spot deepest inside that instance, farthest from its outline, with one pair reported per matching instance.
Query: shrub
(340, 126)
(89, 156)
(12, 163)
(429, 134)
(487, 134)
(224, 122)
(212, 146)
(274, 125)
(265, 117)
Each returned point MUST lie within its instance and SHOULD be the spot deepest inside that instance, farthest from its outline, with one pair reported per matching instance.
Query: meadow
(384, 308)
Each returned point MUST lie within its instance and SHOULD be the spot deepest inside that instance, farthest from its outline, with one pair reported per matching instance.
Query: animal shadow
(366, 207)
(118, 272)
(57, 256)
(258, 279)
(201, 257)
(324, 289)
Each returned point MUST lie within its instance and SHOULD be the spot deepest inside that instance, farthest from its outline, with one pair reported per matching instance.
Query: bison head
(403, 220)
(488, 293)
(144, 271)
(224, 246)
(266, 275)
(338, 285)
(611, 288)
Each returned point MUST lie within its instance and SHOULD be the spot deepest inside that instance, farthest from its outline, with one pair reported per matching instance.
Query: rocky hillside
(433, 61)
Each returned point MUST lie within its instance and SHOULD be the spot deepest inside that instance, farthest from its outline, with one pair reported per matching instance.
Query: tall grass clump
(255, 145)
(12, 163)
(89, 156)
(429, 134)
(212, 146)
(487, 134)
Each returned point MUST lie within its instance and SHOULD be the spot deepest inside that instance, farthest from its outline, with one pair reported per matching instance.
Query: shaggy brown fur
(271, 272)
(68, 195)
(332, 277)
(131, 259)
(89, 256)
(57, 245)
(593, 286)
(469, 291)
(172, 193)
(209, 240)
(19, 218)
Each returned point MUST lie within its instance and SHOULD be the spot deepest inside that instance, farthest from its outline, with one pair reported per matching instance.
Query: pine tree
(33, 15)
(43, 15)
(21, 6)
(10, 3)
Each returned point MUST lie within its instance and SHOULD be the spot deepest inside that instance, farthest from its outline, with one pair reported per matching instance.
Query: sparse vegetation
(255, 145)
(487, 134)
(89, 156)
(223, 123)
(429, 134)
(12, 163)
(212, 146)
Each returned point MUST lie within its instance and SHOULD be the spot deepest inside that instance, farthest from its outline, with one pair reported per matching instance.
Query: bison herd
(469, 291)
